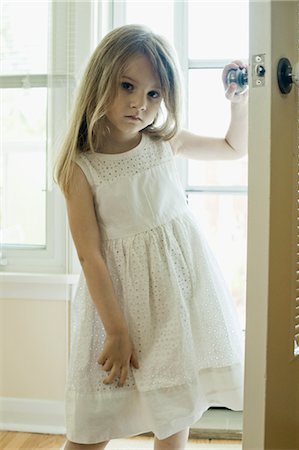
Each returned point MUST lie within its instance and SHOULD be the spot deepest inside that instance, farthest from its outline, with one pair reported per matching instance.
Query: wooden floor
(10, 440)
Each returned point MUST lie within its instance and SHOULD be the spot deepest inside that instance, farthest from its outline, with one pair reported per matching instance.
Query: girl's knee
(176, 441)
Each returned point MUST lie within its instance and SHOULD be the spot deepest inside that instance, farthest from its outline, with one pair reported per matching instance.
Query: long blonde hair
(98, 90)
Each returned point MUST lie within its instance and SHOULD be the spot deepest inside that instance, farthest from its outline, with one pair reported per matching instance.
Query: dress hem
(92, 420)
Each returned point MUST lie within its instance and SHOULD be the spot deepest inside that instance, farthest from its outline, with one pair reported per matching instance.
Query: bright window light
(23, 123)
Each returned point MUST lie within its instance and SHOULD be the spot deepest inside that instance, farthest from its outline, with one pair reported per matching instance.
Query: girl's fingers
(239, 63)
(134, 361)
(107, 366)
(117, 369)
(115, 372)
(227, 68)
(102, 359)
(231, 90)
(119, 372)
(233, 65)
(123, 375)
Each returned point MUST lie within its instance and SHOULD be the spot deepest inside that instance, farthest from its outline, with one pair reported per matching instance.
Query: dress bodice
(136, 190)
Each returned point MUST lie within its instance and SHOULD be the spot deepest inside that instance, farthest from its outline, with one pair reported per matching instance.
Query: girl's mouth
(137, 118)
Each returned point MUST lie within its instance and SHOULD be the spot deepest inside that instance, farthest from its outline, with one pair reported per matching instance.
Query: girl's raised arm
(233, 145)
(118, 351)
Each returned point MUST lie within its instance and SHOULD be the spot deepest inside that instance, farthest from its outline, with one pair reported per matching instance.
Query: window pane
(24, 114)
(209, 110)
(155, 14)
(218, 29)
(209, 115)
(24, 165)
(223, 219)
(24, 48)
(218, 173)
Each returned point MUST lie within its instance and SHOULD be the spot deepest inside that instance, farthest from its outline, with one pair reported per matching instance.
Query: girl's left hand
(230, 89)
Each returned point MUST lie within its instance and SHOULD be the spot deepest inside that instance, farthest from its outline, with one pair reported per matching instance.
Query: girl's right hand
(116, 357)
(231, 89)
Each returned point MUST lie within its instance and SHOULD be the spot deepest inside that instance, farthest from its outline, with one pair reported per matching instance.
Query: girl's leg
(73, 446)
(177, 441)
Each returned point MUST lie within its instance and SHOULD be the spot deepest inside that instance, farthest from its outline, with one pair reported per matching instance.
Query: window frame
(181, 45)
(199, 64)
(68, 53)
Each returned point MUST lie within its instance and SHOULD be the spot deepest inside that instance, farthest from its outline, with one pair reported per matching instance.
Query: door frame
(271, 393)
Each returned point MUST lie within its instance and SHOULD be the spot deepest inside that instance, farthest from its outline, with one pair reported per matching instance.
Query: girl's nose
(138, 101)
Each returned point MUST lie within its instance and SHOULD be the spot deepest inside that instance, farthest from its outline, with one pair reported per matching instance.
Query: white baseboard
(32, 416)
(218, 423)
(220, 419)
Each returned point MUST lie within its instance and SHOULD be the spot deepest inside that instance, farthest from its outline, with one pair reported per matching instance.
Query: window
(217, 34)
(24, 120)
(40, 59)
(208, 35)
(24, 135)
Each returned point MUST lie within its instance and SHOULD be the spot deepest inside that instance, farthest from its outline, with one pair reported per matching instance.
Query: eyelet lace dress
(180, 316)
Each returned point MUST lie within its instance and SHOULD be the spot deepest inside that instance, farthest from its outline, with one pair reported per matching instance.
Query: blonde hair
(98, 90)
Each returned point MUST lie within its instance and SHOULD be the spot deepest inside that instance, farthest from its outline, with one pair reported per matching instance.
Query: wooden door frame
(271, 410)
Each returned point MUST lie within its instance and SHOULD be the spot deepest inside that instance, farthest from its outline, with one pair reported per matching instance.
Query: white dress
(180, 315)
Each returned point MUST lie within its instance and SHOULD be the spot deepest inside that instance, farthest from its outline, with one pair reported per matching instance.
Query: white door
(271, 412)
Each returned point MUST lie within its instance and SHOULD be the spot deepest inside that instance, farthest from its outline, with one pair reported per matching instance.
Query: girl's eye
(154, 94)
(127, 86)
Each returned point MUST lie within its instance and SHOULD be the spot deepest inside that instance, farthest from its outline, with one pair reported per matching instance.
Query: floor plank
(30, 441)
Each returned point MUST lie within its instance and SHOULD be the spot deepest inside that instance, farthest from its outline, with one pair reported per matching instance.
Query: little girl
(155, 339)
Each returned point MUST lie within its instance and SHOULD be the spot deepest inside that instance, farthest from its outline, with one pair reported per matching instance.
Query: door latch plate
(258, 70)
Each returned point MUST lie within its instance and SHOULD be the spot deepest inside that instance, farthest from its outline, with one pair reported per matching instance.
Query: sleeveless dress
(180, 316)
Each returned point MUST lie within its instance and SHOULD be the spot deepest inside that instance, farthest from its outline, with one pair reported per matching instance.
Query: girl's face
(137, 101)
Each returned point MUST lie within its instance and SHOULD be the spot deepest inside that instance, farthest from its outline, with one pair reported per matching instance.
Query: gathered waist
(131, 229)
